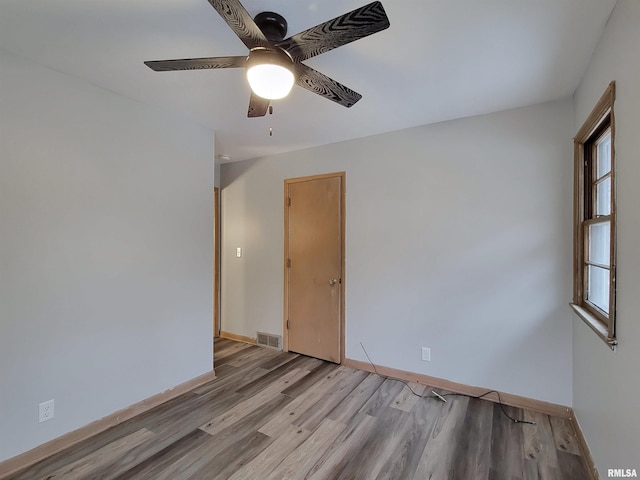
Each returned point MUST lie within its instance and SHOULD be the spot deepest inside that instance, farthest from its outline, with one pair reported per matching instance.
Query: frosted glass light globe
(270, 81)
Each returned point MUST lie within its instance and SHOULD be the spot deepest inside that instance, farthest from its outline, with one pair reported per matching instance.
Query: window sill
(596, 325)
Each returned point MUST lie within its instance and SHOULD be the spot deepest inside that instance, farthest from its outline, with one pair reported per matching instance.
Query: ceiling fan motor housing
(272, 24)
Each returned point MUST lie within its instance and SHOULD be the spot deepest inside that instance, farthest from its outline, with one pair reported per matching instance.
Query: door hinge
(289, 201)
(288, 263)
(288, 325)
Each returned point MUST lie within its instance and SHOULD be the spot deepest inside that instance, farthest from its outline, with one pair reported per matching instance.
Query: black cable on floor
(442, 395)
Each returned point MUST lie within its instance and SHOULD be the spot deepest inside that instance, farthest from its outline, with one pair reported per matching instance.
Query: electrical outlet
(426, 354)
(45, 411)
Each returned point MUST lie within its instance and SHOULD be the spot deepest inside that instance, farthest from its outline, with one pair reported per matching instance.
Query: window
(595, 220)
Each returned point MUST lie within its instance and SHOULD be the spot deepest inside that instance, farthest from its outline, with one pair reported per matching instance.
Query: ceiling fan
(274, 63)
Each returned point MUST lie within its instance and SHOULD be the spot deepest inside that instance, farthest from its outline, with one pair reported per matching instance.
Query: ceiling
(439, 60)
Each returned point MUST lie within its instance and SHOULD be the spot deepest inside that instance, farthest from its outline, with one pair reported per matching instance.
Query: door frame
(216, 262)
(287, 182)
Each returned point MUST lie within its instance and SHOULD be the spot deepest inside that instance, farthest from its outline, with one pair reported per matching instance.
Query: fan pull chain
(270, 113)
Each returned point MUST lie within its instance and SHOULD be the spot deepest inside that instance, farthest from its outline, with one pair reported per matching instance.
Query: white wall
(606, 388)
(105, 252)
(458, 238)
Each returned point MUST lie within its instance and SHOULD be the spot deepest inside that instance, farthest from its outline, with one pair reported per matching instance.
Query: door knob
(333, 281)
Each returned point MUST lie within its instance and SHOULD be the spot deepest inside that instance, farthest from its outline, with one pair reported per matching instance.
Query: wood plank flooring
(274, 415)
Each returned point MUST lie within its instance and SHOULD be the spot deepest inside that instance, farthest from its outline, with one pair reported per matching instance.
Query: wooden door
(314, 269)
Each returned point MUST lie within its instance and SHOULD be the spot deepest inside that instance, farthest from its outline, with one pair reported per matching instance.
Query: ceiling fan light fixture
(274, 62)
(270, 73)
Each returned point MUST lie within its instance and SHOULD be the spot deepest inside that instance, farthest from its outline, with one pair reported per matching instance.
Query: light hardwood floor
(274, 415)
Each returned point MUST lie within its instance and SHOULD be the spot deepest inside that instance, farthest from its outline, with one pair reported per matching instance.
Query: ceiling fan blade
(344, 29)
(240, 22)
(257, 106)
(196, 63)
(316, 82)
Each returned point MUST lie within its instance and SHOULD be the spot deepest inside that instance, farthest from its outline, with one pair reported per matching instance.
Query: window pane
(598, 288)
(599, 237)
(603, 197)
(604, 154)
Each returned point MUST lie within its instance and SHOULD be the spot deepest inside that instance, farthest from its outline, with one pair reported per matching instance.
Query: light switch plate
(426, 354)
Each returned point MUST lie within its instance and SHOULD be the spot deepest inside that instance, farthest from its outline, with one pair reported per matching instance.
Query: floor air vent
(269, 340)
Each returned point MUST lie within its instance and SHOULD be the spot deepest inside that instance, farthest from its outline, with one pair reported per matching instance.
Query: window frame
(599, 121)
